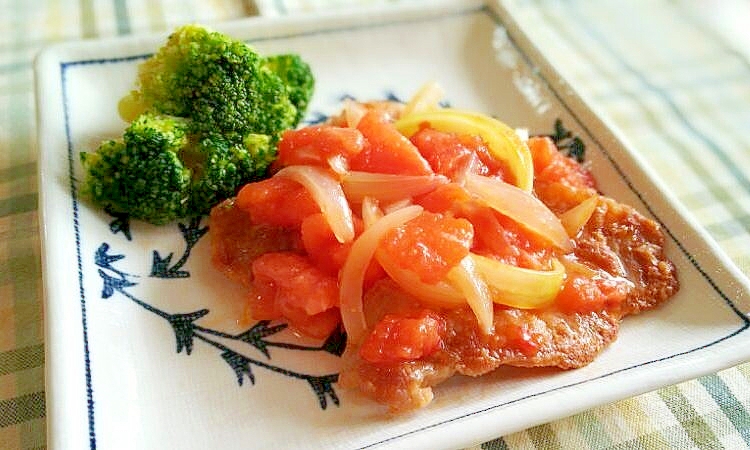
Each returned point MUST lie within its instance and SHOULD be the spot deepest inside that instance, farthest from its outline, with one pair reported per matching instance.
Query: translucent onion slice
(502, 141)
(440, 294)
(518, 287)
(329, 196)
(388, 187)
(464, 276)
(520, 206)
(338, 164)
(353, 112)
(425, 99)
(574, 219)
(370, 211)
(398, 204)
(352, 274)
(575, 267)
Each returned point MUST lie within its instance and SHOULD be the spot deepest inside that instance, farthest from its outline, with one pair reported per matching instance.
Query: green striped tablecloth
(673, 76)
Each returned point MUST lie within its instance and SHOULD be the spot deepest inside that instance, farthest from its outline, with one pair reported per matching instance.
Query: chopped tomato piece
(321, 244)
(586, 294)
(288, 286)
(507, 241)
(277, 201)
(387, 150)
(262, 301)
(296, 281)
(518, 338)
(552, 165)
(445, 198)
(454, 155)
(317, 326)
(560, 182)
(430, 245)
(495, 167)
(397, 338)
(543, 150)
(495, 235)
(327, 252)
(446, 154)
(314, 145)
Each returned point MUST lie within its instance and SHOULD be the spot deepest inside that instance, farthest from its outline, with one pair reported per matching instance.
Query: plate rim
(579, 109)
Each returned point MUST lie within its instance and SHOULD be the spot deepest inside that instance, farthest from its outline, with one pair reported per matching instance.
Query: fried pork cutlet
(618, 256)
(617, 243)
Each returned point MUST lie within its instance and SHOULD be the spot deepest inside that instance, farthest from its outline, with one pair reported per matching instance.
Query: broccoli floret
(159, 173)
(206, 118)
(220, 83)
(220, 166)
(142, 174)
(298, 77)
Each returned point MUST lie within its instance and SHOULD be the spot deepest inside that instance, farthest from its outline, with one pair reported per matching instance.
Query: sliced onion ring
(389, 208)
(440, 294)
(426, 98)
(353, 112)
(520, 206)
(464, 276)
(574, 219)
(352, 274)
(370, 211)
(518, 287)
(329, 196)
(388, 187)
(338, 164)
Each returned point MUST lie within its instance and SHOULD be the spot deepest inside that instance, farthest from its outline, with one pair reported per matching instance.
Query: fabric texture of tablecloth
(672, 76)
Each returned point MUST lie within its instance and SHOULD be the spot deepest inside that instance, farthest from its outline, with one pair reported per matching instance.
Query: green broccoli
(221, 84)
(206, 117)
(298, 77)
(220, 166)
(142, 174)
(158, 173)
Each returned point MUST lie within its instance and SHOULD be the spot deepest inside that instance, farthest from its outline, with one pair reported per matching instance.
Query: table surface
(672, 76)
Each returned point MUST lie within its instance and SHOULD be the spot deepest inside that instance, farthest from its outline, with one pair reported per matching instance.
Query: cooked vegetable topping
(444, 242)
(503, 142)
(399, 338)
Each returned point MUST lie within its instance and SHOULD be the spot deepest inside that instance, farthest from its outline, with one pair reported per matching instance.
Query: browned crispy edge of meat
(624, 243)
(564, 340)
(236, 241)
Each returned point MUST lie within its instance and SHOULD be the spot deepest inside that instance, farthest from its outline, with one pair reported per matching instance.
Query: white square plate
(142, 361)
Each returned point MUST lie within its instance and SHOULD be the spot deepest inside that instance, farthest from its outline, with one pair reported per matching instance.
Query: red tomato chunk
(277, 201)
(454, 155)
(507, 241)
(446, 154)
(387, 150)
(519, 338)
(315, 145)
(559, 181)
(297, 281)
(551, 165)
(430, 245)
(495, 235)
(289, 285)
(397, 338)
(587, 294)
